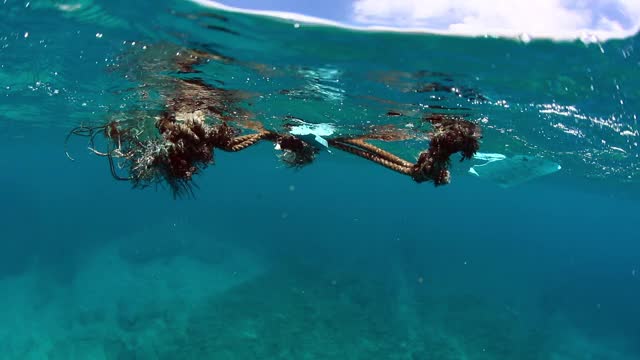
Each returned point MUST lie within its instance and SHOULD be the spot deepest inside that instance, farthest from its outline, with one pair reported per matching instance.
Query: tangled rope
(450, 135)
(184, 147)
(180, 142)
(181, 150)
(367, 151)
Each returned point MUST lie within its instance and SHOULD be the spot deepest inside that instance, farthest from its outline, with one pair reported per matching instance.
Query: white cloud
(537, 18)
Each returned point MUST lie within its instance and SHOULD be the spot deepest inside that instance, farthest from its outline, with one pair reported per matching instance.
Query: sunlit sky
(539, 17)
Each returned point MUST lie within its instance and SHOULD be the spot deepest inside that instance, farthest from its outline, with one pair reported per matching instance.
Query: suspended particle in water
(99, 35)
(26, 34)
(292, 188)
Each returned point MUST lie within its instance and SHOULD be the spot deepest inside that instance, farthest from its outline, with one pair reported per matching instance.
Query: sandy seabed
(200, 299)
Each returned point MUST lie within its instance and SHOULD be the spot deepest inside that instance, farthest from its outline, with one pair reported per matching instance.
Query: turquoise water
(341, 259)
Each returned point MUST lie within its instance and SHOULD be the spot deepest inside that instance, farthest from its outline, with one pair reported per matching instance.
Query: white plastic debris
(313, 133)
(514, 170)
(488, 157)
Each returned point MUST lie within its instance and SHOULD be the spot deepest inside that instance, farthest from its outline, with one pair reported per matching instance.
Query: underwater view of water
(530, 252)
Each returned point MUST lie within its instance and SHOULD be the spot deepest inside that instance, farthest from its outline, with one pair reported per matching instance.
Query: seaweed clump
(450, 135)
(185, 148)
(180, 150)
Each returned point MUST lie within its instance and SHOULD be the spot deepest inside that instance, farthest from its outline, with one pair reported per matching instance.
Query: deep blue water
(342, 259)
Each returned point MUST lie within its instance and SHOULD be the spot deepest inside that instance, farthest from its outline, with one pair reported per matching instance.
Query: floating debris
(177, 141)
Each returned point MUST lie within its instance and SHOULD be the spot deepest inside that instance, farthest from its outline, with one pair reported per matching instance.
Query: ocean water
(343, 258)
